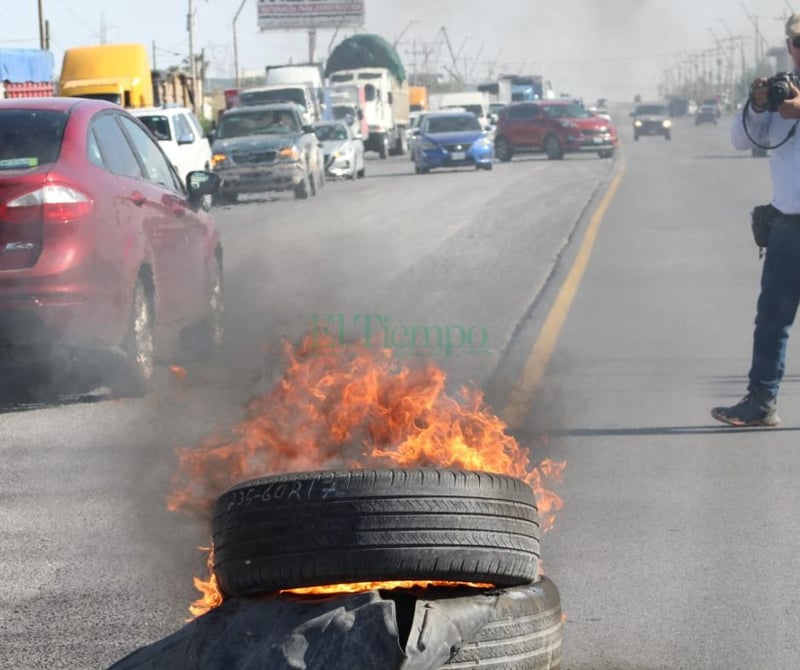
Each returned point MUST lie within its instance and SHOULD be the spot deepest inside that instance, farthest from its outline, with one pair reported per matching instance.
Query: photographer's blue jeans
(777, 306)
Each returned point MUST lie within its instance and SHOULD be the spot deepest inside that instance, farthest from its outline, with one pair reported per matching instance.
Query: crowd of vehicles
(111, 148)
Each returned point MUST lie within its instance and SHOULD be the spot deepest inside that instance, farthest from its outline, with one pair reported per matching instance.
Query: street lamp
(235, 47)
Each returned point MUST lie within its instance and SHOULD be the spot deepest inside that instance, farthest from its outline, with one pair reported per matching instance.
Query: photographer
(770, 118)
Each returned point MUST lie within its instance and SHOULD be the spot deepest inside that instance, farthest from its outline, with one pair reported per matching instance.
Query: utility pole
(192, 62)
(312, 46)
(235, 47)
(42, 31)
(759, 38)
(155, 67)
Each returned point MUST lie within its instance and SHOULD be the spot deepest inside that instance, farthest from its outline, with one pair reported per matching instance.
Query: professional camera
(779, 89)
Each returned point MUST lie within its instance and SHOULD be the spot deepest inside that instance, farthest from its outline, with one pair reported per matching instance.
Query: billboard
(310, 14)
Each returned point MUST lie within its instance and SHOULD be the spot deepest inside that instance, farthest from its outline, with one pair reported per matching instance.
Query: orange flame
(357, 587)
(178, 371)
(354, 406)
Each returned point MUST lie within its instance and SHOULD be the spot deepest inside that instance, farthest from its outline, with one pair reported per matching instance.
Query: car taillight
(53, 203)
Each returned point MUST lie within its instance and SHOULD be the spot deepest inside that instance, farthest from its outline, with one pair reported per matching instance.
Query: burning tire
(334, 527)
(524, 633)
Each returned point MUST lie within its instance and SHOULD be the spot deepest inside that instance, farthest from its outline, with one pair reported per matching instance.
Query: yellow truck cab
(119, 73)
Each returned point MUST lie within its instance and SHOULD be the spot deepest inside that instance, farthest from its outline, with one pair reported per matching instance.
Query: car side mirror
(188, 138)
(200, 183)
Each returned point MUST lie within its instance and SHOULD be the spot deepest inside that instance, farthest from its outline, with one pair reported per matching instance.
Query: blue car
(452, 139)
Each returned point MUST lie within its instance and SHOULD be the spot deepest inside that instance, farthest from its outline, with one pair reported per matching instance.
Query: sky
(591, 48)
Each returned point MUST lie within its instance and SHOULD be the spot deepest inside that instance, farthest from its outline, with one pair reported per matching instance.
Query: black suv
(652, 119)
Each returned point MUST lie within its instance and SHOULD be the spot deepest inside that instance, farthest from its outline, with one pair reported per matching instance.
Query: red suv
(103, 249)
(555, 127)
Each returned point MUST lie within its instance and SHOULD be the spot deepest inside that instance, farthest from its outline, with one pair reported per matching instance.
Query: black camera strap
(789, 135)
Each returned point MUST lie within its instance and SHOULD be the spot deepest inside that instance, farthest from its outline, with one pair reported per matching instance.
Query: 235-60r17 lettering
(331, 527)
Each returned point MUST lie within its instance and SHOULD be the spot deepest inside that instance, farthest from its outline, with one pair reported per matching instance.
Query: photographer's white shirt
(770, 129)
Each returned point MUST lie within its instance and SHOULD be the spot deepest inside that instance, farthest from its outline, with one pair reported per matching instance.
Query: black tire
(606, 153)
(636, 137)
(524, 632)
(667, 137)
(302, 190)
(361, 173)
(383, 149)
(135, 376)
(215, 324)
(503, 150)
(333, 527)
(223, 199)
(553, 148)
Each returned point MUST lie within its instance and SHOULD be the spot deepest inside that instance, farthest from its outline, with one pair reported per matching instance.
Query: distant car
(180, 135)
(452, 139)
(266, 148)
(107, 258)
(342, 150)
(600, 112)
(716, 104)
(652, 119)
(706, 114)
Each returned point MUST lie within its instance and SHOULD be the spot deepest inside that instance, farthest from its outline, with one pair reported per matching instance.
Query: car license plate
(458, 155)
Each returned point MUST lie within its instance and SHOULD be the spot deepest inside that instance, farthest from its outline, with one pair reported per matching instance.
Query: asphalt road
(675, 547)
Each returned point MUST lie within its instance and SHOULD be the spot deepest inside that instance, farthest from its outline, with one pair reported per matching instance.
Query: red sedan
(107, 259)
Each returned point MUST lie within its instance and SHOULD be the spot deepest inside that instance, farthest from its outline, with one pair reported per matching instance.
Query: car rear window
(29, 138)
(158, 125)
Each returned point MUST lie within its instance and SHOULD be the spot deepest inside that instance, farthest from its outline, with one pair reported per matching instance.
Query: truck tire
(383, 146)
(334, 527)
(524, 632)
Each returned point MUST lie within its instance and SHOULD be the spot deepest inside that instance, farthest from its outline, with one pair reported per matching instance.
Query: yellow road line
(525, 388)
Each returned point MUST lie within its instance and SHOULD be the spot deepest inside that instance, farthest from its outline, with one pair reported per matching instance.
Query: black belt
(794, 218)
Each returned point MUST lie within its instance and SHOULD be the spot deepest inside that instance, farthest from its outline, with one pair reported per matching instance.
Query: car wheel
(428, 524)
(503, 149)
(383, 151)
(607, 153)
(215, 322)
(301, 191)
(362, 172)
(552, 147)
(135, 378)
(636, 137)
(667, 137)
(223, 199)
